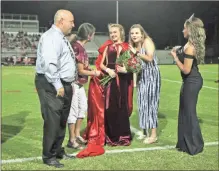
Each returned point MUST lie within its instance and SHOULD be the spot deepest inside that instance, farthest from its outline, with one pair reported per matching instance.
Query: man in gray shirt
(55, 71)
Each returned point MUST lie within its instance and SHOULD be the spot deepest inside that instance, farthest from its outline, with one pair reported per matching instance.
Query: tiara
(191, 18)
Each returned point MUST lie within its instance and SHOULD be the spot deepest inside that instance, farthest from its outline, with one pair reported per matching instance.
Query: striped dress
(148, 86)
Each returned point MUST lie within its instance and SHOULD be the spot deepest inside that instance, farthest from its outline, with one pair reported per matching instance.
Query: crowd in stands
(21, 41)
(22, 44)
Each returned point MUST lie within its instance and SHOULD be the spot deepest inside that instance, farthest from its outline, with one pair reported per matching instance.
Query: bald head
(61, 14)
(64, 20)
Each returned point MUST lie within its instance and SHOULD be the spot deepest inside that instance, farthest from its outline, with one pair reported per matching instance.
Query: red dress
(95, 130)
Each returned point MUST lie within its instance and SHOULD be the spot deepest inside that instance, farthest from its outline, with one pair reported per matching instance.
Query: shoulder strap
(189, 56)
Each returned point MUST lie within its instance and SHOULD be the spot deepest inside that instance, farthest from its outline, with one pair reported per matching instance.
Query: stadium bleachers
(23, 44)
(91, 46)
(100, 39)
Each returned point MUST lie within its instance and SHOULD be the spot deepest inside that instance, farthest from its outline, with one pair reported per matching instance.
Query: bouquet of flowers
(131, 63)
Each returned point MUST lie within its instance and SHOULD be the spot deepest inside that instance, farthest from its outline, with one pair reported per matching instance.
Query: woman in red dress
(117, 126)
(109, 107)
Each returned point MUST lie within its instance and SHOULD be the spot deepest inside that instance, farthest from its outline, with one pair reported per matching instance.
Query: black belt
(65, 83)
(62, 81)
(39, 74)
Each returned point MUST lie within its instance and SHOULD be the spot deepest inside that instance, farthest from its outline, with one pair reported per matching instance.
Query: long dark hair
(84, 31)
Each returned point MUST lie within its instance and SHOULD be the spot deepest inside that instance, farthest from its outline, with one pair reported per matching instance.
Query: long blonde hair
(196, 36)
(121, 30)
(143, 32)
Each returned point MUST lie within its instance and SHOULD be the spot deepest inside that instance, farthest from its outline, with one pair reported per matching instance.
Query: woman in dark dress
(109, 107)
(187, 59)
(117, 111)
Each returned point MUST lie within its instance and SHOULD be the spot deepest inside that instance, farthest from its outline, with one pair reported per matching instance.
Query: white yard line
(152, 148)
(209, 72)
(213, 88)
(21, 160)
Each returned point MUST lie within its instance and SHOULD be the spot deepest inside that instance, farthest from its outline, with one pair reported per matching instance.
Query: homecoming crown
(191, 18)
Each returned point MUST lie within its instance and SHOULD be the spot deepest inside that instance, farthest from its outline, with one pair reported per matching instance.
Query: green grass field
(22, 127)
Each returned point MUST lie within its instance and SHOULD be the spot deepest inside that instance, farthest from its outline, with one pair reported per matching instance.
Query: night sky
(162, 20)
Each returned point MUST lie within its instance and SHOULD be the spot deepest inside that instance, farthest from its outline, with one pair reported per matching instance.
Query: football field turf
(21, 129)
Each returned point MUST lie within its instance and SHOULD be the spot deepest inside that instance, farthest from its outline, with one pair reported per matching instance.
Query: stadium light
(117, 12)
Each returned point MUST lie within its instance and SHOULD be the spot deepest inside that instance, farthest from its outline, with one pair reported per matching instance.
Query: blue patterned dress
(148, 86)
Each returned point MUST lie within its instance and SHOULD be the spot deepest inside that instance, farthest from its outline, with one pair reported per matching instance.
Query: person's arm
(103, 67)
(188, 60)
(82, 71)
(79, 54)
(51, 51)
(148, 45)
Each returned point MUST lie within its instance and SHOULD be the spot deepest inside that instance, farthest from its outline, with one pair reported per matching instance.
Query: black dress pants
(55, 111)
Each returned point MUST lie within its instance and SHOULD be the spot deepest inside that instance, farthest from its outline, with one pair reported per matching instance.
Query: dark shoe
(53, 162)
(65, 157)
(62, 155)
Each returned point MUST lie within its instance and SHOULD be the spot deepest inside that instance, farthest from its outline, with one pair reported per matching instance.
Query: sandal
(150, 140)
(81, 140)
(74, 145)
(141, 137)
